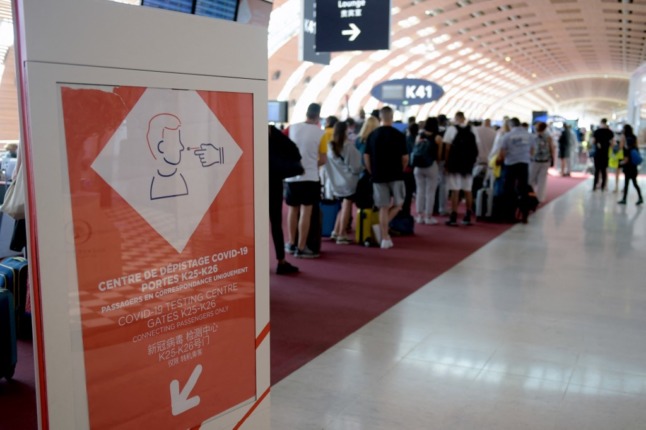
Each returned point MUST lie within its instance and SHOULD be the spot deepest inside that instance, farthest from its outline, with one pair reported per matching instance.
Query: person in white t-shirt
(304, 191)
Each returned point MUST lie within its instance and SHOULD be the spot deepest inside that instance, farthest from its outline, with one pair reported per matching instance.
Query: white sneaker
(419, 219)
(386, 243)
(430, 221)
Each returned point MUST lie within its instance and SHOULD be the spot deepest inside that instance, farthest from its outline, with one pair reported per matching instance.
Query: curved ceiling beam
(593, 99)
(547, 82)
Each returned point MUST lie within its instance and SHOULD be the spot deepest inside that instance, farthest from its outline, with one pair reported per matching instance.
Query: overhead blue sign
(352, 25)
(404, 92)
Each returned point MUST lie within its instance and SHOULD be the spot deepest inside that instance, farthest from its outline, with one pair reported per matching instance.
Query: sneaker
(639, 202)
(333, 235)
(453, 220)
(286, 269)
(306, 253)
(386, 243)
(622, 202)
(290, 248)
(430, 221)
(467, 218)
(342, 240)
(419, 219)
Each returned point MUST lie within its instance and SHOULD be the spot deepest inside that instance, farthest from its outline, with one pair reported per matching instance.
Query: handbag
(635, 157)
(14, 199)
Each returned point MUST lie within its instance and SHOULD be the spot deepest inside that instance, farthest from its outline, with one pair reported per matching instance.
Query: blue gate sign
(403, 92)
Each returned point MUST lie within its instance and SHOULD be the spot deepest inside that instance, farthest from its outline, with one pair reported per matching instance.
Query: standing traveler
(461, 153)
(602, 141)
(424, 158)
(564, 150)
(542, 160)
(615, 158)
(304, 191)
(369, 125)
(632, 159)
(409, 178)
(342, 170)
(284, 161)
(486, 137)
(516, 152)
(385, 159)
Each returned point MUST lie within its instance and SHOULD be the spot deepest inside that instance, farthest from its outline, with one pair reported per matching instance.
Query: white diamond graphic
(169, 159)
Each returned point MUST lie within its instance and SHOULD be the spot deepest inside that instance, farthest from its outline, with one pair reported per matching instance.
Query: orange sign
(162, 201)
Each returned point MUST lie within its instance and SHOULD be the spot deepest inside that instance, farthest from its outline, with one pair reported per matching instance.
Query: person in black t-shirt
(602, 140)
(385, 158)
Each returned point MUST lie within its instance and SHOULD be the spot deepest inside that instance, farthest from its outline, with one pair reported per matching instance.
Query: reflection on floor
(542, 328)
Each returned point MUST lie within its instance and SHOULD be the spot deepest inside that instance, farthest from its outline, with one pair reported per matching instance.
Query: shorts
(306, 193)
(457, 182)
(350, 197)
(382, 192)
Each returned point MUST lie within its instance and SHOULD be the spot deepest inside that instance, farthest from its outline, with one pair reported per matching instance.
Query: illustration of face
(171, 147)
(164, 138)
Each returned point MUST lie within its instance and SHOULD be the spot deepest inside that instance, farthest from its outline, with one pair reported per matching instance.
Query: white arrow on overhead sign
(179, 400)
(353, 32)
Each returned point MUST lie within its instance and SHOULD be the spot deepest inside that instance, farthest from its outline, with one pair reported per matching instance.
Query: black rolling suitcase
(8, 346)
(13, 276)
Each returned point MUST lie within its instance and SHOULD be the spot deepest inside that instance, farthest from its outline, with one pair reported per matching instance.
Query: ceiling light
(441, 39)
(453, 46)
(409, 22)
(508, 59)
(426, 31)
(404, 41)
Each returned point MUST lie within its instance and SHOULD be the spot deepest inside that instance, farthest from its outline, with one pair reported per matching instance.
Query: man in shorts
(304, 191)
(461, 152)
(385, 158)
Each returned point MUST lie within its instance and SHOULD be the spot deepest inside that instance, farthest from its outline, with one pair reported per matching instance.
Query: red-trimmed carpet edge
(332, 297)
(348, 286)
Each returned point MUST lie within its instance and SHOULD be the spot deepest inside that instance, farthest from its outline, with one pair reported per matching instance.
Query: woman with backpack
(423, 156)
(342, 170)
(632, 159)
(542, 160)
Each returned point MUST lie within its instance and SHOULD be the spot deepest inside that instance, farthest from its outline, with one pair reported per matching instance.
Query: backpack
(635, 157)
(464, 152)
(422, 154)
(542, 153)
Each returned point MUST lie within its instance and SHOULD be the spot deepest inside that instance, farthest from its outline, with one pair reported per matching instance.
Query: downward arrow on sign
(179, 400)
(353, 32)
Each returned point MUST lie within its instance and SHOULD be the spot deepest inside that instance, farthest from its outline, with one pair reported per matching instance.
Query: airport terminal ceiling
(492, 58)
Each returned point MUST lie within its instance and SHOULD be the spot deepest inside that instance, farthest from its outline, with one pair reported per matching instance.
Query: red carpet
(18, 396)
(348, 286)
(333, 296)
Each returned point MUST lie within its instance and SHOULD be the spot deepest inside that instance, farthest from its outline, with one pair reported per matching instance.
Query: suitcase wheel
(10, 373)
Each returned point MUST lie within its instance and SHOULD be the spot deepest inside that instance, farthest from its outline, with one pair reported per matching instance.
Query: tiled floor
(543, 328)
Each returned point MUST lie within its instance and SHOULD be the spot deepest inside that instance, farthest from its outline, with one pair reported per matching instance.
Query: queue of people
(436, 161)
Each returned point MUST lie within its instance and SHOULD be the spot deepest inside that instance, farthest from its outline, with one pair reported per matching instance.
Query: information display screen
(277, 111)
(223, 9)
(185, 6)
